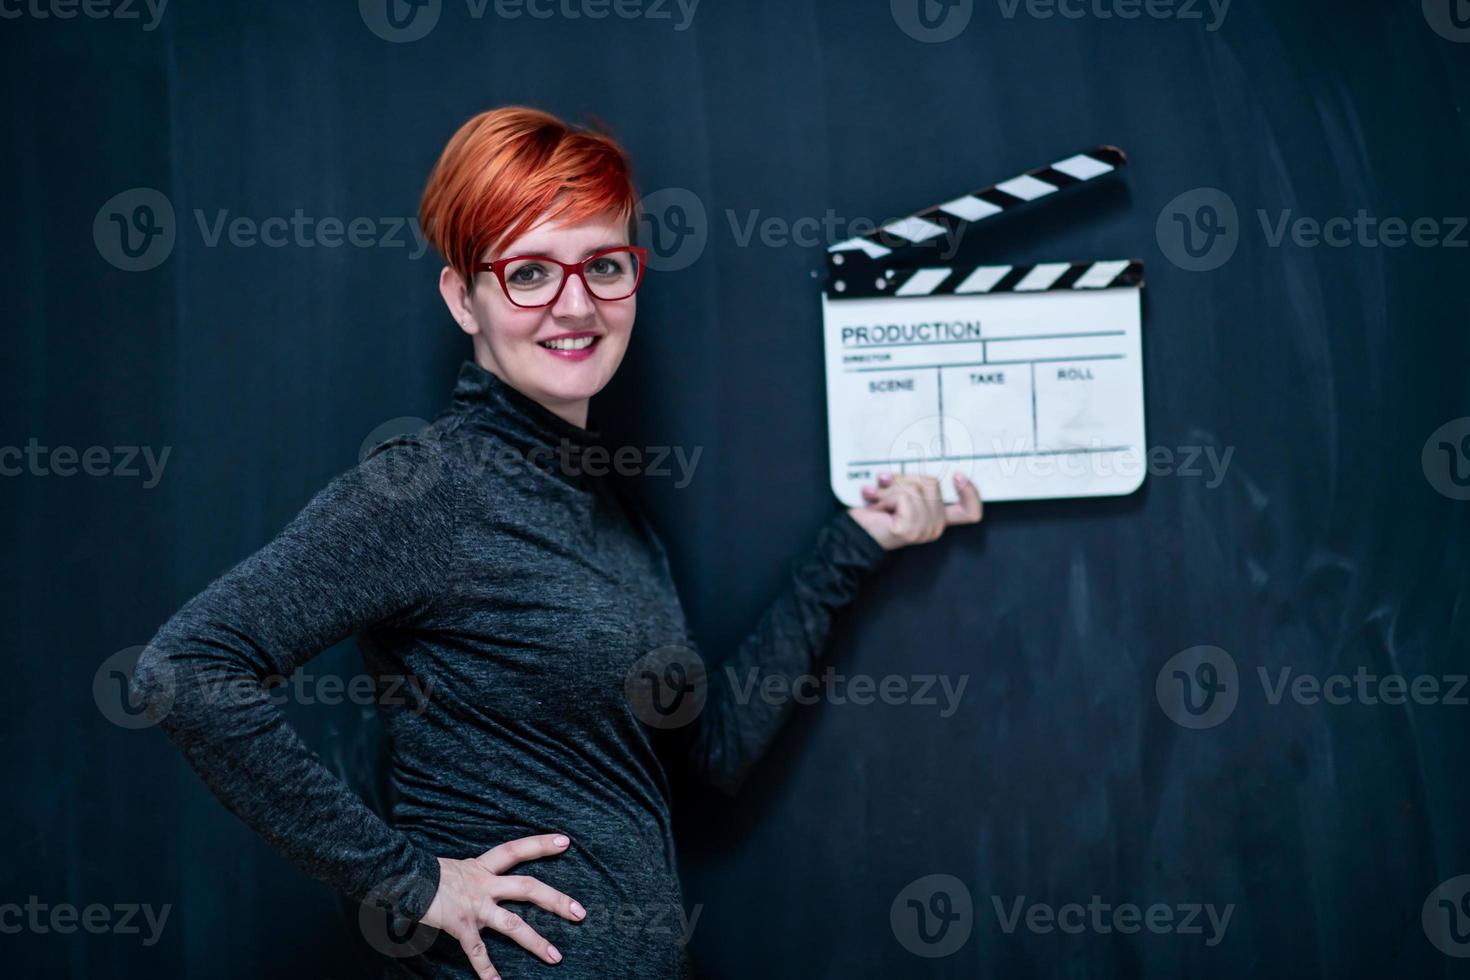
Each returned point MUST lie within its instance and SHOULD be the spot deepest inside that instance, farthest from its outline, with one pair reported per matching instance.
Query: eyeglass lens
(612, 275)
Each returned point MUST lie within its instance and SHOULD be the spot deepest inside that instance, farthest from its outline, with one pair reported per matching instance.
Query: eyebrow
(590, 251)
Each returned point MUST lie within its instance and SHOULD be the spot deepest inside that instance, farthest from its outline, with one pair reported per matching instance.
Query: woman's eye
(604, 267)
(526, 274)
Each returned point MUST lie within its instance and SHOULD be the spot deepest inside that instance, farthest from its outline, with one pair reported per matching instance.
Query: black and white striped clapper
(1026, 378)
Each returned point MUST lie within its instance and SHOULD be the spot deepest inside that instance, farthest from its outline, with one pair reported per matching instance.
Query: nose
(574, 303)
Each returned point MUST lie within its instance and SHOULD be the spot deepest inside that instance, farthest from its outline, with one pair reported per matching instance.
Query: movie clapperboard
(1027, 378)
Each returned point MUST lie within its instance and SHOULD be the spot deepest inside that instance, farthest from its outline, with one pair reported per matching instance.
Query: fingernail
(560, 841)
(577, 909)
(555, 956)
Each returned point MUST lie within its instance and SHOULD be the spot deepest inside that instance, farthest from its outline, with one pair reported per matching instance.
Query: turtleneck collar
(515, 416)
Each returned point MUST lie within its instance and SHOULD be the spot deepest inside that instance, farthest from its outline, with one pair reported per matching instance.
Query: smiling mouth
(570, 343)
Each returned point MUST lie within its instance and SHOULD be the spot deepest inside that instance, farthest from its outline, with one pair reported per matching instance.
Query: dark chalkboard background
(1327, 546)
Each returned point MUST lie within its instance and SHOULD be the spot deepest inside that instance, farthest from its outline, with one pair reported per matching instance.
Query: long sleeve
(736, 724)
(372, 547)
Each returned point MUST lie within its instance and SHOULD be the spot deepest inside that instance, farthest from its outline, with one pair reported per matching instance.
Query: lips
(571, 346)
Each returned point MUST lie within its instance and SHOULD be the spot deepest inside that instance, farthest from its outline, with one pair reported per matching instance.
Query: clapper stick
(875, 264)
(954, 218)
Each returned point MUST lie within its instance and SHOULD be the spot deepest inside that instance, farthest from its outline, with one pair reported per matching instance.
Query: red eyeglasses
(531, 281)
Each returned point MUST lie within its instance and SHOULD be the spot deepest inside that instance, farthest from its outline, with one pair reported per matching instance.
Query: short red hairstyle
(507, 168)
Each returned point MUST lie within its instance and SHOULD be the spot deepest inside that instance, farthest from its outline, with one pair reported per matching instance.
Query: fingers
(524, 888)
(894, 491)
(470, 891)
(885, 494)
(520, 888)
(970, 509)
(474, 948)
(503, 857)
(507, 923)
(916, 505)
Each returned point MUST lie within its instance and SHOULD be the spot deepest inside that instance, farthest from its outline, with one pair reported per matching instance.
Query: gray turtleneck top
(533, 668)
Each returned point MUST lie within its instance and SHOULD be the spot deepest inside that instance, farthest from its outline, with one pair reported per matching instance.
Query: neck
(574, 411)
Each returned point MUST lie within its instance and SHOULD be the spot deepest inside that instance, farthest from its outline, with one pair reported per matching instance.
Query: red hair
(506, 169)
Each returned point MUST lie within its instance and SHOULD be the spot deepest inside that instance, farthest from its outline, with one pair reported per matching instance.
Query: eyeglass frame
(569, 269)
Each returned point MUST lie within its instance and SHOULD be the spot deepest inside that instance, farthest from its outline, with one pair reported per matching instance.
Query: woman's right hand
(470, 893)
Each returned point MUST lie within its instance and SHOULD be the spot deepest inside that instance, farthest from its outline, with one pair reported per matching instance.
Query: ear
(457, 300)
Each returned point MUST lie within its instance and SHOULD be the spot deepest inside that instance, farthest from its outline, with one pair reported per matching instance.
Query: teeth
(568, 343)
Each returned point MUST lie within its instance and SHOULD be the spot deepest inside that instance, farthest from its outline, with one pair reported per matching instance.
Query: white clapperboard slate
(1026, 378)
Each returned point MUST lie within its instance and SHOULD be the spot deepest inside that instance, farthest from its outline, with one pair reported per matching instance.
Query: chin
(576, 380)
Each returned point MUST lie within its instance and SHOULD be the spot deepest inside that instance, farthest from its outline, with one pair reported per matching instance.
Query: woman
(488, 561)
